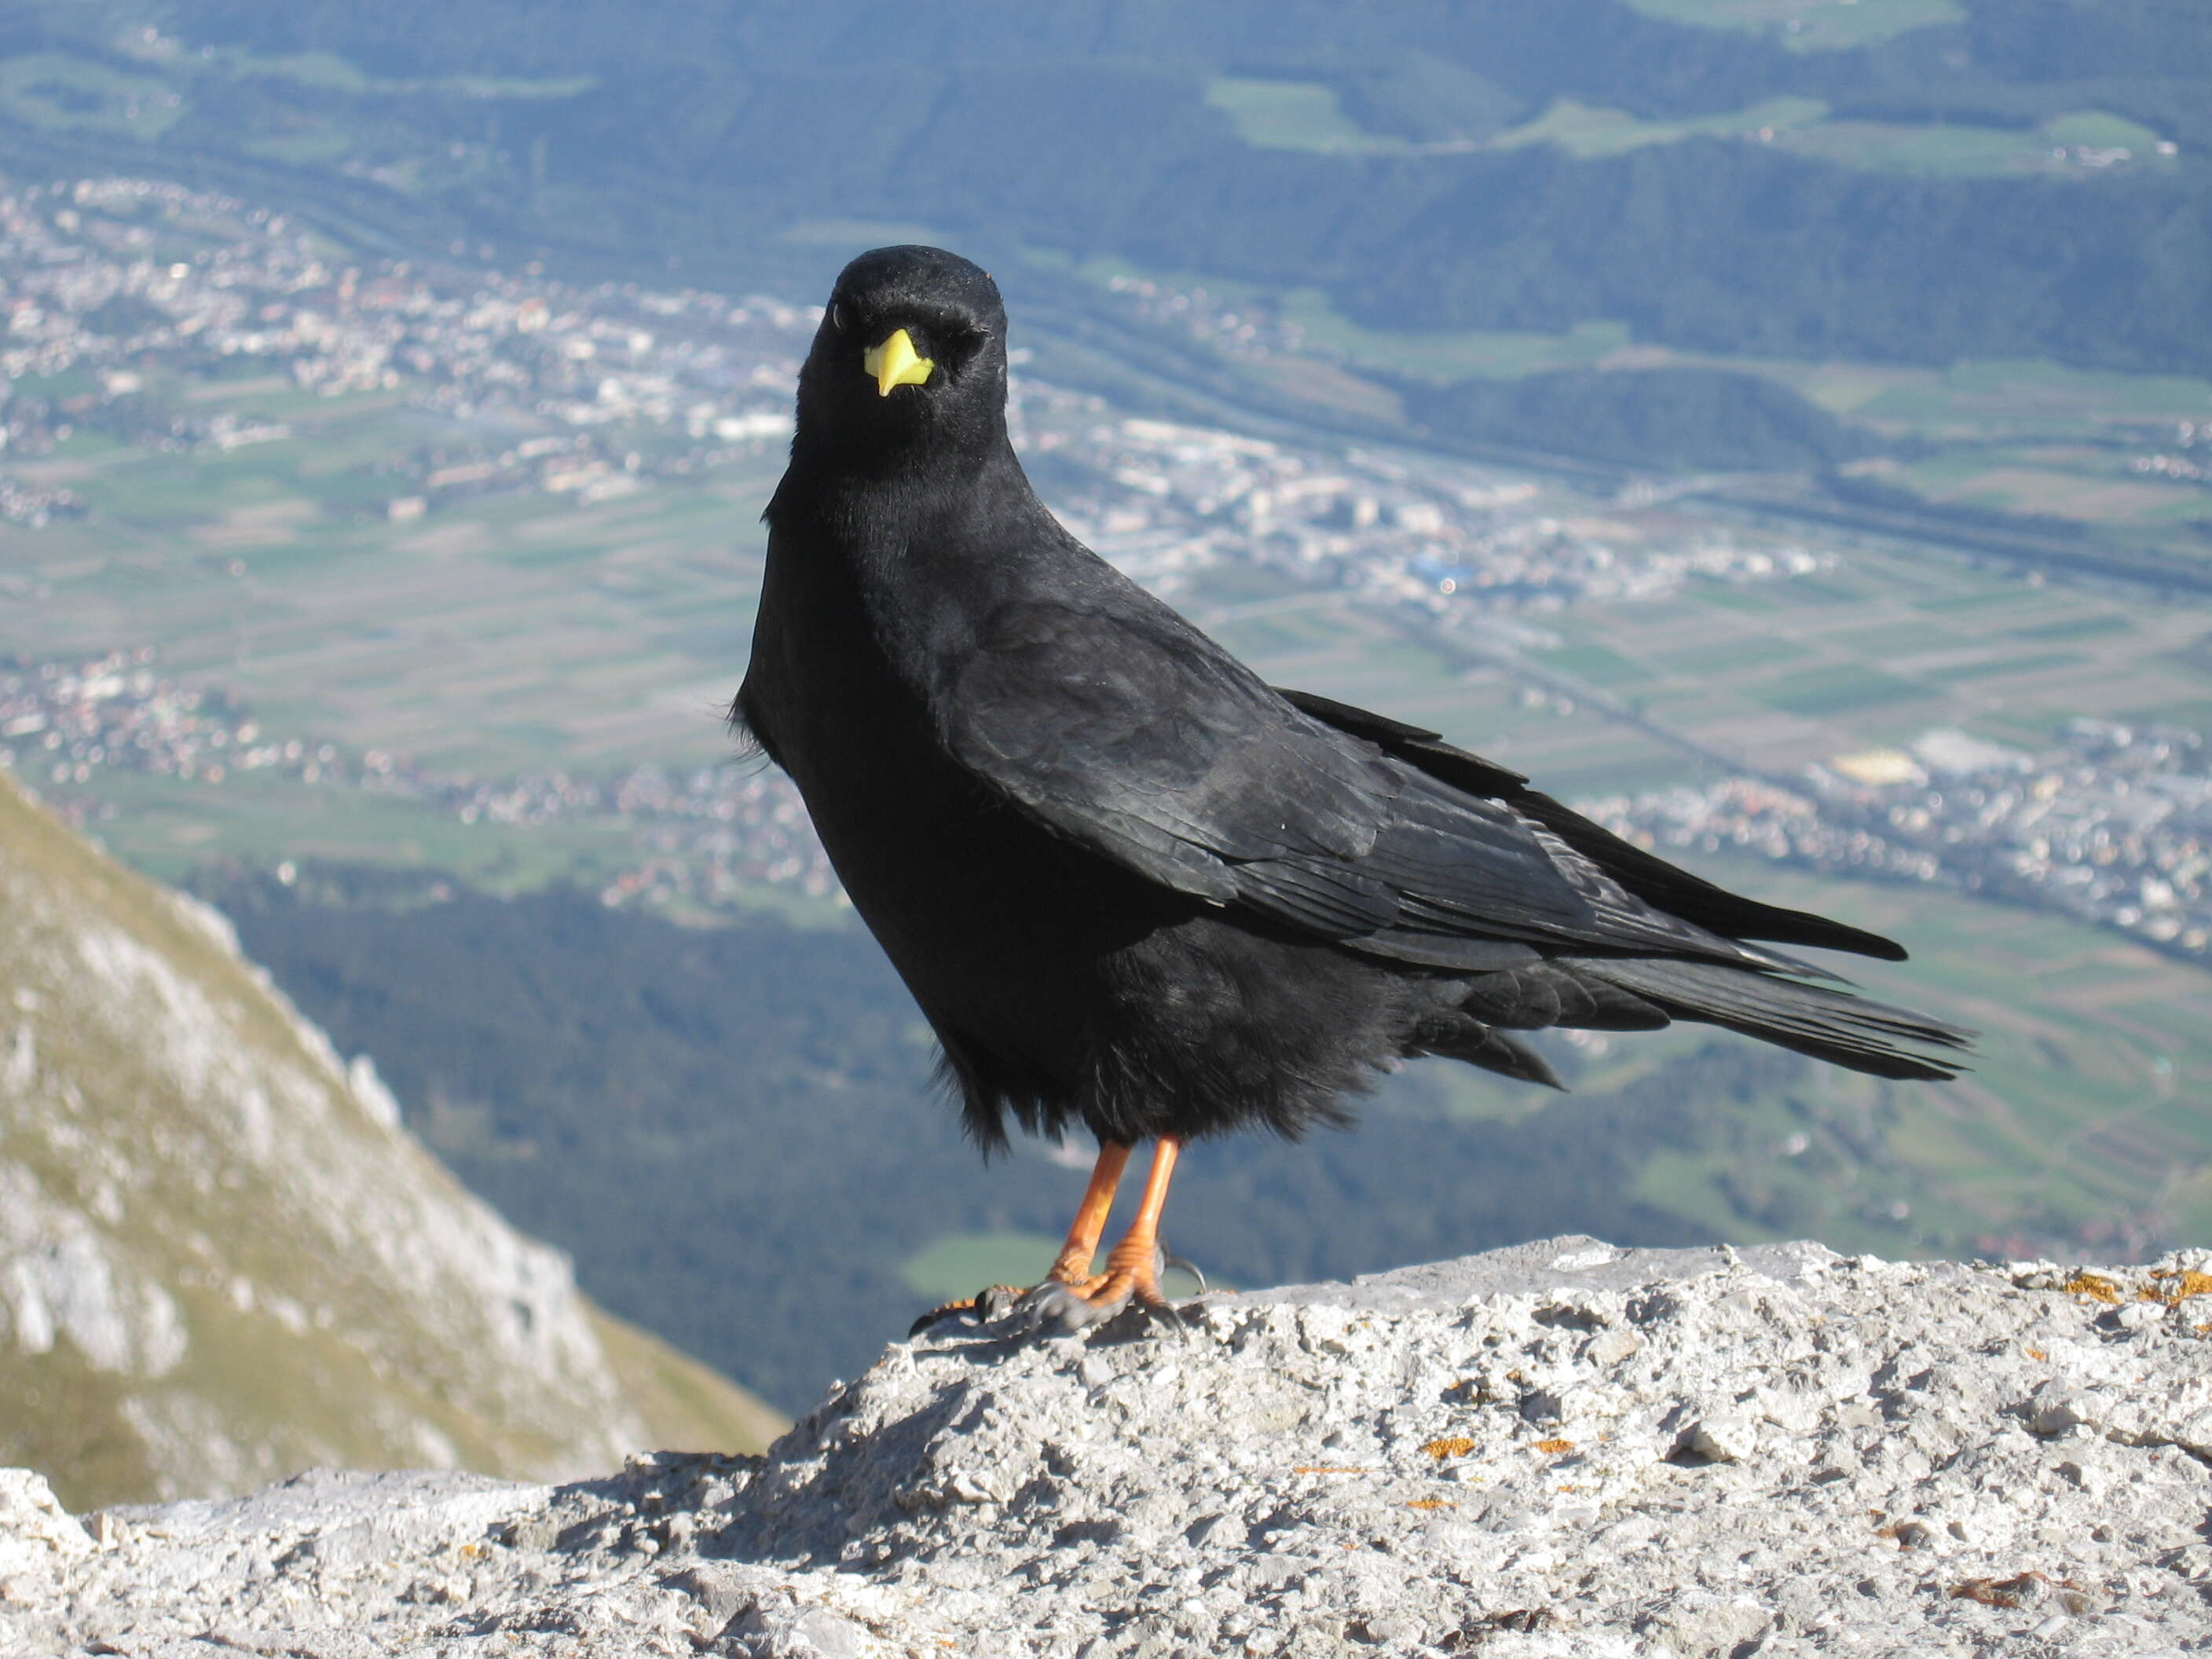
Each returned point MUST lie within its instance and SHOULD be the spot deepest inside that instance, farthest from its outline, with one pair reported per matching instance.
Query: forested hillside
(703, 138)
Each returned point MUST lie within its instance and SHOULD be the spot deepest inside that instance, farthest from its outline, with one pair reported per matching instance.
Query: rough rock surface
(1557, 1450)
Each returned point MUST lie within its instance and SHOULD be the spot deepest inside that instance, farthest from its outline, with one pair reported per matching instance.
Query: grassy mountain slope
(221, 1259)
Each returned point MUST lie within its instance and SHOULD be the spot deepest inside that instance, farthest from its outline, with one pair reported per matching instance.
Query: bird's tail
(1828, 1025)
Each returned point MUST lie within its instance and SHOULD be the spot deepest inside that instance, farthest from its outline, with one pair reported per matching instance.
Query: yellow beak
(894, 363)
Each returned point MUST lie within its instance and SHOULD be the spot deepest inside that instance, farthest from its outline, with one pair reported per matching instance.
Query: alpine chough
(1132, 886)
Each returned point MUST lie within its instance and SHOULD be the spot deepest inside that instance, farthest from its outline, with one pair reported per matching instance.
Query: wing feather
(1137, 737)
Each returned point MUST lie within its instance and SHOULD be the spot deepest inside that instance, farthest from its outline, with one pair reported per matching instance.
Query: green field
(1295, 115)
(2085, 1110)
(1966, 151)
(1585, 131)
(961, 1264)
(61, 92)
(1810, 25)
(2089, 1098)
(501, 634)
(2086, 144)
(1768, 677)
(1791, 671)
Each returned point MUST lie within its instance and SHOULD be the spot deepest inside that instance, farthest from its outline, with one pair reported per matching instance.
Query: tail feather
(1469, 1040)
(1828, 1025)
(1548, 994)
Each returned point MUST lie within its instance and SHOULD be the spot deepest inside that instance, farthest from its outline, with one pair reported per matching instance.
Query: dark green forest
(1657, 417)
(734, 1130)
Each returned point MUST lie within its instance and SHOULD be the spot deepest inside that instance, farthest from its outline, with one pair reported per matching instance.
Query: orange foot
(1132, 1270)
(1071, 1297)
(1071, 1268)
(1133, 1274)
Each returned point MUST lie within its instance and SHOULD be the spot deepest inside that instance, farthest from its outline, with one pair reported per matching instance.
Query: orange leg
(1071, 1270)
(1073, 1265)
(1132, 1270)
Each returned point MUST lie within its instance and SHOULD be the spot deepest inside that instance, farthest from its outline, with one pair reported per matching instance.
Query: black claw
(1189, 1267)
(935, 1317)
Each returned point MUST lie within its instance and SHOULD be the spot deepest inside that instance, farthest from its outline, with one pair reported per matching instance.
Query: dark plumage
(1132, 886)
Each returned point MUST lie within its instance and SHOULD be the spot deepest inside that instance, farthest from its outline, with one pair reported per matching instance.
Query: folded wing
(1137, 737)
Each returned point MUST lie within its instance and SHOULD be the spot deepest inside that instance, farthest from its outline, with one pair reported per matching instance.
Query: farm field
(531, 631)
(2087, 1098)
(1810, 25)
(1885, 646)
(2084, 1106)
(2083, 145)
(506, 633)
(1768, 677)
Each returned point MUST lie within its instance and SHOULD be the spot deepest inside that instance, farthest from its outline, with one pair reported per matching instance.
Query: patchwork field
(1787, 673)
(1769, 675)
(506, 633)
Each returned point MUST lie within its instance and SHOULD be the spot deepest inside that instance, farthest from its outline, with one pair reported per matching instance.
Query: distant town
(626, 387)
(2115, 827)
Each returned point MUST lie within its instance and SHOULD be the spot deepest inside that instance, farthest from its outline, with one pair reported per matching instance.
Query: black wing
(1134, 735)
(1654, 880)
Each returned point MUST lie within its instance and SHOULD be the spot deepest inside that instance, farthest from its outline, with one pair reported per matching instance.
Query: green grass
(2098, 130)
(1596, 664)
(1936, 151)
(1586, 130)
(961, 1264)
(325, 71)
(2004, 665)
(955, 1267)
(1726, 656)
(1842, 690)
(1301, 115)
(1442, 355)
(2075, 628)
(1889, 639)
(1309, 116)
(1822, 25)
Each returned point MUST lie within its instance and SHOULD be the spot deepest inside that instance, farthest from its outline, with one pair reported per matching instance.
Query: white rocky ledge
(1557, 1450)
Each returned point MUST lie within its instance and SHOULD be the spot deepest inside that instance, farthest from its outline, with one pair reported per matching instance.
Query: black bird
(1131, 885)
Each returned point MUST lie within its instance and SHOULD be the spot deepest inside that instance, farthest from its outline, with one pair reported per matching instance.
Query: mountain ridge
(222, 1258)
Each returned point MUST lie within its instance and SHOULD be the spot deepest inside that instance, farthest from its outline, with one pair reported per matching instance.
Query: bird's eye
(837, 316)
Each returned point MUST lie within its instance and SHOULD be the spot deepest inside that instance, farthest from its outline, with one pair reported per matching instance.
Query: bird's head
(911, 354)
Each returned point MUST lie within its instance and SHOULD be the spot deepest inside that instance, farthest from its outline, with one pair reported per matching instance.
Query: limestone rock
(35, 1534)
(1561, 1450)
